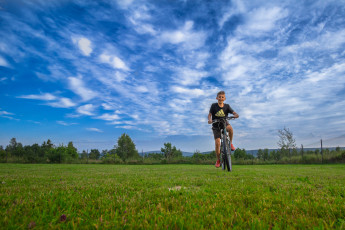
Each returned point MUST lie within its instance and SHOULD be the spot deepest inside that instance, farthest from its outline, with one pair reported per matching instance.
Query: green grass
(172, 196)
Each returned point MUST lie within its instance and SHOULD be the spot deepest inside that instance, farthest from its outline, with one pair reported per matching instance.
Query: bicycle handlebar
(222, 119)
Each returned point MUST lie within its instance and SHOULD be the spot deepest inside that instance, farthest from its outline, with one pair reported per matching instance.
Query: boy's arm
(235, 114)
(210, 118)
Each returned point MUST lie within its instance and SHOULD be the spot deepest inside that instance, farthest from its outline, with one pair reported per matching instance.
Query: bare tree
(286, 140)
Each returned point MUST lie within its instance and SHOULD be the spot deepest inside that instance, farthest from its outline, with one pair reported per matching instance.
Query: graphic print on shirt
(220, 113)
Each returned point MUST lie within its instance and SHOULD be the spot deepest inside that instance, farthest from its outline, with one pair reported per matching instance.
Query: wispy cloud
(66, 123)
(76, 84)
(185, 36)
(62, 102)
(94, 130)
(54, 101)
(7, 115)
(108, 117)
(3, 62)
(114, 61)
(43, 97)
(87, 109)
(262, 20)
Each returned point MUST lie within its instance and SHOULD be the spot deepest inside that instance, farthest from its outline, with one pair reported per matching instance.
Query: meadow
(84, 196)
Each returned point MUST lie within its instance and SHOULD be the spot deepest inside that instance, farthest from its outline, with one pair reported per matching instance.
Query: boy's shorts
(216, 131)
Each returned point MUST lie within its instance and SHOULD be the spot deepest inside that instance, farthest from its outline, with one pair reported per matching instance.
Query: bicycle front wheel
(226, 151)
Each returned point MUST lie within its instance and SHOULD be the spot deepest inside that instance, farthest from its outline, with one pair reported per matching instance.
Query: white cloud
(114, 61)
(84, 45)
(140, 19)
(65, 123)
(2, 112)
(3, 79)
(261, 20)
(94, 130)
(187, 76)
(57, 102)
(185, 36)
(142, 89)
(191, 93)
(3, 62)
(108, 117)
(43, 97)
(237, 7)
(124, 3)
(86, 109)
(77, 86)
(62, 103)
(107, 106)
(120, 76)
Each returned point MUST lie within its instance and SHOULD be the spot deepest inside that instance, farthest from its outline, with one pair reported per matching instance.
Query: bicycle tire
(226, 149)
(222, 157)
(229, 149)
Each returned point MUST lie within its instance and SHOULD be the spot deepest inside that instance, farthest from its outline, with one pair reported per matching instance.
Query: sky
(89, 71)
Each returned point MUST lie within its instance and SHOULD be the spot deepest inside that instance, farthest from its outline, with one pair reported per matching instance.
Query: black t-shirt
(219, 112)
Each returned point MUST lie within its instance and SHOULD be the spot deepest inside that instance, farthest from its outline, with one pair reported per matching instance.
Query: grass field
(172, 196)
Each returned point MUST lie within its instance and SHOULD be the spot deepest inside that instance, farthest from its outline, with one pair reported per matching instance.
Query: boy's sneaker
(232, 148)
(217, 164)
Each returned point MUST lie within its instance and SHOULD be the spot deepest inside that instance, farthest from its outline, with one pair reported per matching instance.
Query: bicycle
(225, 144)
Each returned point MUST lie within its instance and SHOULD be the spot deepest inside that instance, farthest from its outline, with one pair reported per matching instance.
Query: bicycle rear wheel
(226, 152)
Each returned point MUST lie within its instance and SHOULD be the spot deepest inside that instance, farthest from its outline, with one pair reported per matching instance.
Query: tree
(71, 150)
(58, 154)
(46, 147)
(2, 152)
(95, 154)
(260, 154)
(274, 155)
(11, 148)
(126, 148)
(84, 155)
(104, 153)
(265, 154)
(170, 151)
(240, 153)
(286, 140)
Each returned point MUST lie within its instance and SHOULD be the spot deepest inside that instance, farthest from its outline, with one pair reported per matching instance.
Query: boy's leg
(217, 143)
(217, 135)
(231, 135)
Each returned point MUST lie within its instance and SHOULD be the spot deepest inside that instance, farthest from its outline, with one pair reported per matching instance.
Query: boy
(219, 110)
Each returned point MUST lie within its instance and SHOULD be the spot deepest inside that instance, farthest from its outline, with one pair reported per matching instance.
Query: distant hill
(255, 152)
(186, 154)
(251, 152)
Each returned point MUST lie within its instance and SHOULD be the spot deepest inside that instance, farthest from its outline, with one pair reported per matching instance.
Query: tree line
(124, 151)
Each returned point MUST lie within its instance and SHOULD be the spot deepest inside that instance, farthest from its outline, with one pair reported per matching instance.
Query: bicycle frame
(225, 149)
(225, 145)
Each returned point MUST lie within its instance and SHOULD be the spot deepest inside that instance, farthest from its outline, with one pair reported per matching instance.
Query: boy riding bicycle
(219, 110)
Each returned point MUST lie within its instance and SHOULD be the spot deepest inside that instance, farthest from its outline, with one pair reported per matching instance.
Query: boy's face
(221, 98)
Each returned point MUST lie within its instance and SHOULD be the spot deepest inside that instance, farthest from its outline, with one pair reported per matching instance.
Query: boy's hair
(220, 93)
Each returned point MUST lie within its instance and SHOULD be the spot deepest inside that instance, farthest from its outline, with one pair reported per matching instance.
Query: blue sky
(88, 71)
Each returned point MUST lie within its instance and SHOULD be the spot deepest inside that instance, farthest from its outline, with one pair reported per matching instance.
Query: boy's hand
(210, 121)
(235, 115)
